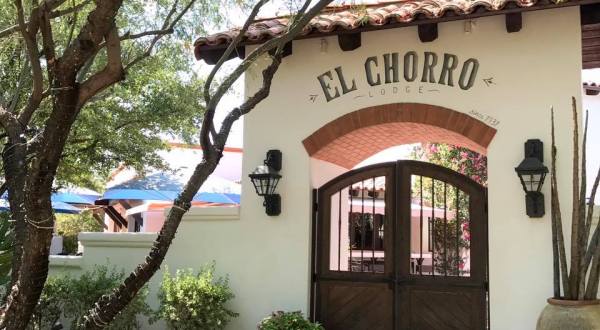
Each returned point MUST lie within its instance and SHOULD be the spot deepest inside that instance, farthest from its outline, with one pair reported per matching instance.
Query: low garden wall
(123, 251)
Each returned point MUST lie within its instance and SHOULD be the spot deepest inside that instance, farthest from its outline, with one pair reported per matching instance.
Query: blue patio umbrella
(70, 196)
(166, 187)
(73, 198)
(58, 207)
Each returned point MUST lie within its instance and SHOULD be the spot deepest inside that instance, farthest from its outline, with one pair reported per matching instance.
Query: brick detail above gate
(349, 139)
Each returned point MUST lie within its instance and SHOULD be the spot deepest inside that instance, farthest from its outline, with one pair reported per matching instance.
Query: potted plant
(577, 306)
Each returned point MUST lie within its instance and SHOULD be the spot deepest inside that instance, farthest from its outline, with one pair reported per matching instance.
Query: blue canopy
(166, 187)
(73, 198)
(58, 207)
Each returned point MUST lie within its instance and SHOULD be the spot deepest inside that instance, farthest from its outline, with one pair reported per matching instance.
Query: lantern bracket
(273, 159)
(534, 148)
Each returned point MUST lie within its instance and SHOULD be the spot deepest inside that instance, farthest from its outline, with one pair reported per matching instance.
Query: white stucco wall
(532, 70)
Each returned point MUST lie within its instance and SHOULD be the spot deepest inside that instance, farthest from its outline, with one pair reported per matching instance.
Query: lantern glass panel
(533, 181)
(264, 180)
(272, 185)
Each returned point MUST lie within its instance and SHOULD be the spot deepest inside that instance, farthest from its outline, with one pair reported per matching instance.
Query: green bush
(70, 225)
(287, 321)
(195, 301)
(6, 251)
(68, 299)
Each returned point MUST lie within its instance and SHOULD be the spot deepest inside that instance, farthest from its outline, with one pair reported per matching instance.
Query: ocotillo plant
(580, 281)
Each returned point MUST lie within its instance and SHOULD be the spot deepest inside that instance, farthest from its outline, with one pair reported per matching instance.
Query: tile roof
(375, 14)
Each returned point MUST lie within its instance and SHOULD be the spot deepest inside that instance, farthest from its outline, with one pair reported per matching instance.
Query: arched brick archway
(351, 138)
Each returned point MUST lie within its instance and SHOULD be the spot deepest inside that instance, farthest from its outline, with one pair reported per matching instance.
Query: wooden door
(381, 263)
(441, 260)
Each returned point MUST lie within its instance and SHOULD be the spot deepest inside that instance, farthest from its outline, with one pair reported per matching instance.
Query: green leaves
(70, 225)
(288, 321)
(126, 124)
(195, 301)
(68, 299)
(6, 252)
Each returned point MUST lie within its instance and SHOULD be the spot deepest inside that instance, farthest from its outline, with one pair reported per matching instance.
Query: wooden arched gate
(401, 245)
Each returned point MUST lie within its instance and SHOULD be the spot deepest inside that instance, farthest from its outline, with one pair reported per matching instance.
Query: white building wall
(532, 70)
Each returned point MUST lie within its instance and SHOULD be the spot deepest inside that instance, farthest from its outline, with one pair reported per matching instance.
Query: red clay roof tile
(372, 13)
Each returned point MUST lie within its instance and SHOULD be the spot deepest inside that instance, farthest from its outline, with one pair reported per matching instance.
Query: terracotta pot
(570, 314)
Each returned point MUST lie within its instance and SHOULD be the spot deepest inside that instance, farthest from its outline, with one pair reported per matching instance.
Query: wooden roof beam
(428, 32)
(212, 56)
(514, 22)
(349, 41)
(590, 14)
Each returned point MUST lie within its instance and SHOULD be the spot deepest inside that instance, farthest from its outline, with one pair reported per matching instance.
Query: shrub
(6, 251)
(287, 321)
(70, 225)
(68, 299)
(195, 301)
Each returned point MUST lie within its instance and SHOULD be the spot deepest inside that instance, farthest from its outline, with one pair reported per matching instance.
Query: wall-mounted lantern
(532, 173)
(265, 178)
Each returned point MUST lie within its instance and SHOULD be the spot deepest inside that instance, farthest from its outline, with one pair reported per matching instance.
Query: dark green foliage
(288, 321)
(124, 124)
(195, 301)
(6, 249)
(447, 249)
(447, 257)
(68, 298)
(70, 225)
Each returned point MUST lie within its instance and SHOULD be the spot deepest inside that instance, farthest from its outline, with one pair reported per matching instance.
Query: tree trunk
(14, 160)
(39, 218)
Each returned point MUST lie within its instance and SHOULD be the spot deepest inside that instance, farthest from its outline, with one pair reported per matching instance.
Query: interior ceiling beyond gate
(351, 138)
(349, 150)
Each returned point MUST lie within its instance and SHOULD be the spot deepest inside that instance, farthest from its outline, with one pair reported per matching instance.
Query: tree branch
(29, 32)
(73, 9)
(268, 74)
(111, 74)
(207, 123)
(294, 29)
(53, 14)
(168, 25)
(130, 36)
(49, 49)
(90, 37)
(16, 96)
(277, 43)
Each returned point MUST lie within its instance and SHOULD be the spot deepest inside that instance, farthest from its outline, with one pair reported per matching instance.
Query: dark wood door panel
(438, 308)
(355, 306)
